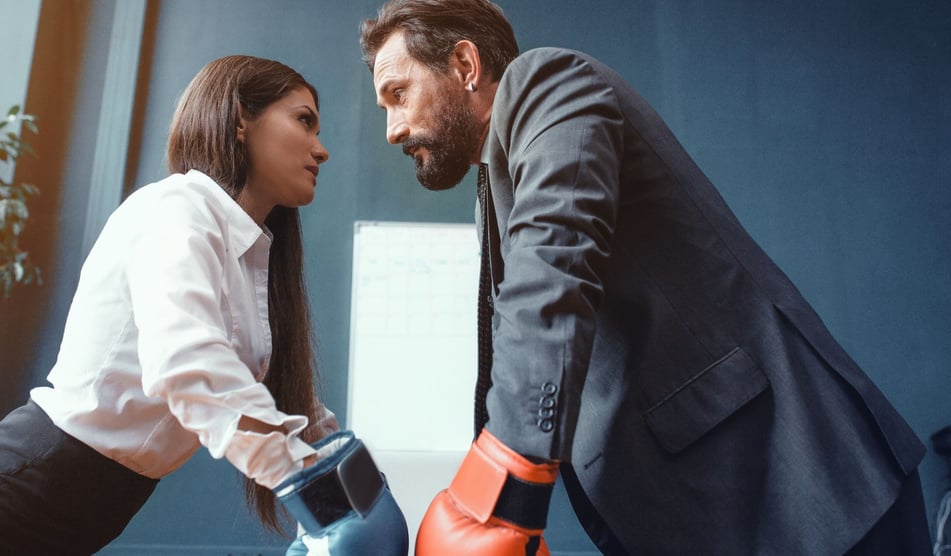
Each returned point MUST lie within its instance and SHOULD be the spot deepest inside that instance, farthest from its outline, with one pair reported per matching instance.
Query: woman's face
(284, 154)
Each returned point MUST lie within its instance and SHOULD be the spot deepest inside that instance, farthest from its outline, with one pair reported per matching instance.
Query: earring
(471, 87)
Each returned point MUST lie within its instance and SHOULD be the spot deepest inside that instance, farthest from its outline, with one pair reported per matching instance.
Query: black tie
(484, 382)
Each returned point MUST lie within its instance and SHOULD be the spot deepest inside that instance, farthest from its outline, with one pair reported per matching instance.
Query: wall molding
(115, 118)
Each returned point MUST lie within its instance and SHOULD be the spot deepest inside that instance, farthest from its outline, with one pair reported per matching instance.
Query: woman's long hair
(203, 137)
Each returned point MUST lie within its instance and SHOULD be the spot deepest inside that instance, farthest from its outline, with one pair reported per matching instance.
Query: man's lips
(419, 153)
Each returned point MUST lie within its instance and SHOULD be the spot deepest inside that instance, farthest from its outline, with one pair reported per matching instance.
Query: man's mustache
(414, 143)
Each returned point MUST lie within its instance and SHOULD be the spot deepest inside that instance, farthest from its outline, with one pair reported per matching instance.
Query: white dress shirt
(167, 338)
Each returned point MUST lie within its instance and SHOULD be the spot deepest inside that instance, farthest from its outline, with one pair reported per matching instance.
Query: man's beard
(450, 144)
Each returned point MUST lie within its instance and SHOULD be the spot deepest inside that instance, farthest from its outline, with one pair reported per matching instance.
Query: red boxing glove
(497, 504)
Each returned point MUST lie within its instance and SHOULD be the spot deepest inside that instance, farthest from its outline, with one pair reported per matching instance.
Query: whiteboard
(413, 335)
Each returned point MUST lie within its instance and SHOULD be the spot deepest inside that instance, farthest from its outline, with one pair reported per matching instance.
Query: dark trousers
(58, 495)
(902, 531)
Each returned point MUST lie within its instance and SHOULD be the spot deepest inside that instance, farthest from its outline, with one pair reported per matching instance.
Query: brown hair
(203, 137)
(432, 28)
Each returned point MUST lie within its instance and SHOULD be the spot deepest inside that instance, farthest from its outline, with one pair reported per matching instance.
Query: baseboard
(182, 550)
(179, 550)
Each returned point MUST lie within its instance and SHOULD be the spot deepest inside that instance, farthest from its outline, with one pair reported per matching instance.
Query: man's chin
(439, 180)
(437, 185)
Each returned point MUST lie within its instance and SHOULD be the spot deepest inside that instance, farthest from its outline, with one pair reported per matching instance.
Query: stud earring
(471, 87)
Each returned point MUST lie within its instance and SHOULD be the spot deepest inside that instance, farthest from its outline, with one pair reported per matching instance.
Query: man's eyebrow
(385, 86)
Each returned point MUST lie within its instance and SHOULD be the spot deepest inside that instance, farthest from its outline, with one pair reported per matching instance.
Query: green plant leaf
(15, 264)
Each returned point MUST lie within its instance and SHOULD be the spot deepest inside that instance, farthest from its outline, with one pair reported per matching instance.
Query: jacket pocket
(704, 401)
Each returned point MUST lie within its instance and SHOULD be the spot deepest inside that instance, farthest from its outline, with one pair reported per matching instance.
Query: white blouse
(167, 338)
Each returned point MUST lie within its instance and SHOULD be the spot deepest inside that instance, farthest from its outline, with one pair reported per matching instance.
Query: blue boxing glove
(343, 503)
(298, 548)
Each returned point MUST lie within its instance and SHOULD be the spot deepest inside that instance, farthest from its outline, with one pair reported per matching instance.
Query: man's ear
(465, 64)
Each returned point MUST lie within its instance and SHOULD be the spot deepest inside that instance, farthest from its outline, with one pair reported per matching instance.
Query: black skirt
(58, 495)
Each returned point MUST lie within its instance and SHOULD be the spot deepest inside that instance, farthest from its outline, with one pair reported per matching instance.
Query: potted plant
(15, 264)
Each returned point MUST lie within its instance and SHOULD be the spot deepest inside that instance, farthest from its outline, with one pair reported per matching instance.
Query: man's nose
(396, 128)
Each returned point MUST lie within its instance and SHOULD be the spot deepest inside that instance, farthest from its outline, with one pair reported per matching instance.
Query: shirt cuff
(270, 458)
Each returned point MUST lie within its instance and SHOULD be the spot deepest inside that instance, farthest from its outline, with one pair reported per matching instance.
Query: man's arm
(561, 127)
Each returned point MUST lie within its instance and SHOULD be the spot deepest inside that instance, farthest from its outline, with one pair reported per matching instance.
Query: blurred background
(826, 126)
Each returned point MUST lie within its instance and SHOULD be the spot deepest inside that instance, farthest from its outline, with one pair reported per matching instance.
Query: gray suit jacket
(643, 337)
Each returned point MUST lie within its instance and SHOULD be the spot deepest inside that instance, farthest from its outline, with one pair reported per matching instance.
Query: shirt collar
(245, 232)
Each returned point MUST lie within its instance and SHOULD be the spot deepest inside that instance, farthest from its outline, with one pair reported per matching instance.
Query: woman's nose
(319, 152)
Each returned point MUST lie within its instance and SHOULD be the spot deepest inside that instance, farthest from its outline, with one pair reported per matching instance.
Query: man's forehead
(392, 56)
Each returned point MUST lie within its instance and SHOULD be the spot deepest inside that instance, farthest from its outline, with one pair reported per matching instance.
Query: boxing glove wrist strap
(345, 480)
(487, 486)
(523, 504)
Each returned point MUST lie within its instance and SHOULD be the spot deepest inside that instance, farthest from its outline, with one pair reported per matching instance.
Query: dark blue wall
(826, 126)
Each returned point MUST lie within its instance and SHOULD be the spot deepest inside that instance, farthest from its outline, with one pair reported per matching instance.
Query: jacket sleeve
(560, 126)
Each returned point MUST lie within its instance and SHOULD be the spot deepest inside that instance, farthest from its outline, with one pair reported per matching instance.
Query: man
(642, 345)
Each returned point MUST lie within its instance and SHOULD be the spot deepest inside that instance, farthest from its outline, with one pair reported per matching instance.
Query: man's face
(426, 113)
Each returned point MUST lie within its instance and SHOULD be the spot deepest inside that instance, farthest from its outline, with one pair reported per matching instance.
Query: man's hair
(203, 136)
(432, 28)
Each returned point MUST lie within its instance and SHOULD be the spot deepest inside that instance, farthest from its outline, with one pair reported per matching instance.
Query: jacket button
(546, 412)
(546, 425)
(546, 401)
(549, 388)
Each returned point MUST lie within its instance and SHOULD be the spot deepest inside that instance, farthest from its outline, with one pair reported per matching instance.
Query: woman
(189, 325)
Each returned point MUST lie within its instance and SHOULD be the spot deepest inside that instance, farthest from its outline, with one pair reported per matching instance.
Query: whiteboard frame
(445, 431)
